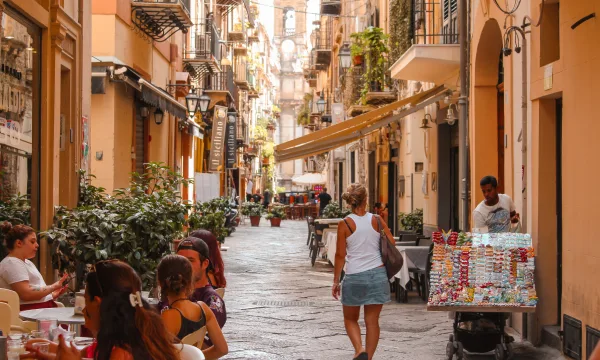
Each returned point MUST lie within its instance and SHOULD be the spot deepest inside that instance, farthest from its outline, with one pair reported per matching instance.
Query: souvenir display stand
(482, 278)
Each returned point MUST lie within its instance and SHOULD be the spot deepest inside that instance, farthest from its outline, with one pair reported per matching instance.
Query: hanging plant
(304, 114)
(372, 42)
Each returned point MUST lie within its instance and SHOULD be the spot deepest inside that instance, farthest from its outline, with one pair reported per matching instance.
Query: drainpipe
(524, 134)
(527, 319)
(463, 131)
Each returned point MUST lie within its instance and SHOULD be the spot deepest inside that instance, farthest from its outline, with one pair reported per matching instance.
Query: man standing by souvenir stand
(496, 213)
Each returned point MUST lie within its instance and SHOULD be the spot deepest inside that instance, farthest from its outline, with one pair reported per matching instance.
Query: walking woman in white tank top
(365, 282)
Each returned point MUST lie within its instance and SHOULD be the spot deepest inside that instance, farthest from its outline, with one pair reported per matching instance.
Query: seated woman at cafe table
(124, 325)
(19, 274)
(183, 317)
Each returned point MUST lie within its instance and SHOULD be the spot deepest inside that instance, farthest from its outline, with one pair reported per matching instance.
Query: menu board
(482, 270)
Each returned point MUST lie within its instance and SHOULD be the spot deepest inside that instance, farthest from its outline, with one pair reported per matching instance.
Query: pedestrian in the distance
(324, 200)
(365, 282)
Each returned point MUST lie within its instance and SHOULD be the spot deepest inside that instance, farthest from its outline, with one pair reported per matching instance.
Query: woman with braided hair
(182, 316)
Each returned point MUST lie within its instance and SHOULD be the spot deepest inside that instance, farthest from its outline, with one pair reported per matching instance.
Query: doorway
(500, 120)
(448, 190)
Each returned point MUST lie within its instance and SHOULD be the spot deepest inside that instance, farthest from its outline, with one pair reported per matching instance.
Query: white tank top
(362, 247)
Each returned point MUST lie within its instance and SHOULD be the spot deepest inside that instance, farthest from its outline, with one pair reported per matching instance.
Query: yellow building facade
(45, 106)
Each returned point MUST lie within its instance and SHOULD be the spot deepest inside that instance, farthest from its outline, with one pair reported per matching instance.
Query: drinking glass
(39, 335)
(15, 336)
(41, 347)
(16, 346)
(47, 325)
(13, 355)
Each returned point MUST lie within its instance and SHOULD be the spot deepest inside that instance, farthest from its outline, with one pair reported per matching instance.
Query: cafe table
(415, 257)
(62, 315)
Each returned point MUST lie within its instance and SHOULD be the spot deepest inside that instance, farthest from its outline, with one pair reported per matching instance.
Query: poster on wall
(230, 144)
(215, 162)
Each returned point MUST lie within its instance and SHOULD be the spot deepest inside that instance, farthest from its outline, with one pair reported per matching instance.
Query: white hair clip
(136, 299)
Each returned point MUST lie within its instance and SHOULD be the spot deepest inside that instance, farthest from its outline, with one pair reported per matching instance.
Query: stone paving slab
(280, 307)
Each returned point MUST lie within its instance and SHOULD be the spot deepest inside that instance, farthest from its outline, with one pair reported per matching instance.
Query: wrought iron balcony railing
(160, 19)
(241, 72)
(221, 82)
(204, 54)
(331, 7)
(427, 26)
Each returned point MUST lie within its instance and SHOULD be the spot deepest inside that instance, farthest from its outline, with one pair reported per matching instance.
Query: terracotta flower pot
(275, 222)
(254, 220)
(357, 60)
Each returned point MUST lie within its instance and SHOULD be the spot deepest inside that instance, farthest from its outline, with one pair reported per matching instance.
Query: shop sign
(230, 145)
(215, 162)
(10, 132)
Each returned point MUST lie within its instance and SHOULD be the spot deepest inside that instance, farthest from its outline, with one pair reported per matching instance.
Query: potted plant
(412, 221)
(334, 211)
(356, 50)
(254, 211)
(275, 216)
(372, 43)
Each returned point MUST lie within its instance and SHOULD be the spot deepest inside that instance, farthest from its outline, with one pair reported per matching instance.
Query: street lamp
(425, 122)
(450, 117)
(191, 101)
(321, 103)
(203, 102)
(344, 56)
(158, 116)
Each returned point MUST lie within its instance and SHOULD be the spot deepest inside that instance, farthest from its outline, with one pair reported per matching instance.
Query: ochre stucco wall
(576, 78)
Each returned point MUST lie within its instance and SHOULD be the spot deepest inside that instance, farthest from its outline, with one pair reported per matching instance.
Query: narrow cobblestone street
(279, 307)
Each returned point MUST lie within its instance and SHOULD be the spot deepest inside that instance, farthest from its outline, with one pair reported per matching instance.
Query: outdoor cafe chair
(11, 298)
(220, 292)
(196, 338)
(310, 221)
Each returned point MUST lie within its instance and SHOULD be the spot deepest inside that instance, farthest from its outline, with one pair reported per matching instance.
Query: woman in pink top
(365, 282)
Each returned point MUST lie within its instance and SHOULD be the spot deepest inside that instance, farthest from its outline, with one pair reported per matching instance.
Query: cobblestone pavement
(280, 307)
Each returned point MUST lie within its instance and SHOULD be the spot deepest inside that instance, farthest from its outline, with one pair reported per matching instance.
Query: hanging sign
(230, 144)
(215, 162)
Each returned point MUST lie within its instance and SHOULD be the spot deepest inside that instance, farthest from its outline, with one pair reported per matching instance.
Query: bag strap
(378, 222)
(348, 225)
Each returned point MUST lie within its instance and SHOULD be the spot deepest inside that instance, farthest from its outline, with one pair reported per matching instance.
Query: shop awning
(350, 130)
(161, 99)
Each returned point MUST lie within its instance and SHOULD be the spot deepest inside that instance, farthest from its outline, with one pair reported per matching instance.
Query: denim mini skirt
(369, 287)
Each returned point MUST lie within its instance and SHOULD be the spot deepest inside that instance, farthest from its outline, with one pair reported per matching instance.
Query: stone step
(551, 337)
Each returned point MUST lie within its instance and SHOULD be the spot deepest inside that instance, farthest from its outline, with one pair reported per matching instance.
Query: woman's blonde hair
(355, 195)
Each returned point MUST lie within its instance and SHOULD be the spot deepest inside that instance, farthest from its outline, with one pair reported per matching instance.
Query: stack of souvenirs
(482, 270)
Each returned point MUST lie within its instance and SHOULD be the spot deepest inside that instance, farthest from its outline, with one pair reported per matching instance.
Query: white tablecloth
(411, 255)
(330, 241)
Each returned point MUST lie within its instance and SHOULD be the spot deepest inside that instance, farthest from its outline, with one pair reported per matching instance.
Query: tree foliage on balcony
(400, 28)
(304, 113)
(372, 43)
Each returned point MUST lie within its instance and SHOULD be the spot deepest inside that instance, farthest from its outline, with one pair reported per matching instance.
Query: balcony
(331, 7)
(322, 38)
(253, 36)
(204, 55)
(220, 83)
(252, 86)
(241, 134)
(241, 73)
(434, 57)
(160, 19)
